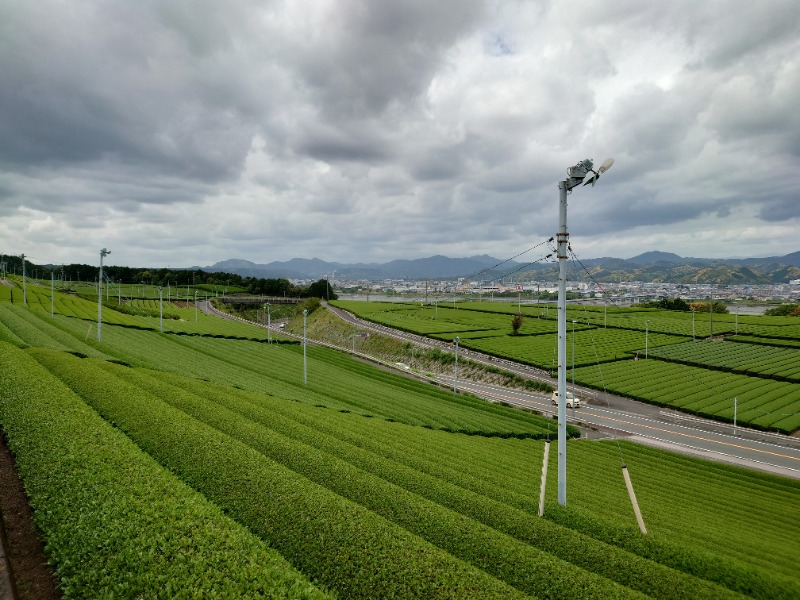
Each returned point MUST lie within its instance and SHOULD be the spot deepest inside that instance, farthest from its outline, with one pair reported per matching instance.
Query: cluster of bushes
(784, 310)
(680, 304)
(141, 311)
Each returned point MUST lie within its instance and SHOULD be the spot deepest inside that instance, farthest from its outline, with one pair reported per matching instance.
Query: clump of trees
(321, 289)
(719, 307)
(682, 305)
(784, 310)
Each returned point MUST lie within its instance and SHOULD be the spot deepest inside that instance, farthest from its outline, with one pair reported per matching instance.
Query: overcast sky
(181, 133)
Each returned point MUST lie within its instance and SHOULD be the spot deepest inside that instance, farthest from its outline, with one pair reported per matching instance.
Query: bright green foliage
(784, 310)
(116, 523)
(761, 403)
(36, 328)
(334, 380)
(758, 360)
(375, 508)
(335, 541)
(766, 341)
(141, 314)
(428, 506)
(473, 497)
(591, 346)
(614, 335)
(743, 518)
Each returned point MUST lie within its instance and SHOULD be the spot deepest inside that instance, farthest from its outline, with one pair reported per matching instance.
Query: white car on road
(572, 401)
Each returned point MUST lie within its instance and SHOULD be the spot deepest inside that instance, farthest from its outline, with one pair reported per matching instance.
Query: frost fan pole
(575, 176)
(103, 253)
(563, 238)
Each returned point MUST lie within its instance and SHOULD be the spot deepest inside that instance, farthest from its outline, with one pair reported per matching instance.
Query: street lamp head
(596, 174)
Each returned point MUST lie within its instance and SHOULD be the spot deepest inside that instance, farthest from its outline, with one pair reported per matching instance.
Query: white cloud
(190, 132)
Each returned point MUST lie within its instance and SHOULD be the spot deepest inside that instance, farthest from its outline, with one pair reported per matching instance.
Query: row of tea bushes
(117, 524)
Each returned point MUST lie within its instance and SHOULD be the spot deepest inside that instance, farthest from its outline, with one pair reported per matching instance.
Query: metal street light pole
(24, 284)
(160, 310)
(195, 306)
(305, 343)
(575, 176)
(455, 380)
(562, 244)
(646, 336)
(103, 253)
(269, 325)
(711, 317)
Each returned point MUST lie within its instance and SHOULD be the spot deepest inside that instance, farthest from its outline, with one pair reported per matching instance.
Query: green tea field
(754, 359)
(196, 464)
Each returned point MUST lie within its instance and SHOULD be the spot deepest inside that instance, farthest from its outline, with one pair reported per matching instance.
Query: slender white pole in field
(543, 484)
(634, 503)
(52, 294)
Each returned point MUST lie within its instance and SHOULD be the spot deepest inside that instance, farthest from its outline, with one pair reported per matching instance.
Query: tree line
(174, 277)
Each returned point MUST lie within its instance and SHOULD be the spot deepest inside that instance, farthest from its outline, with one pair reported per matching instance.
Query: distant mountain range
(653, 267)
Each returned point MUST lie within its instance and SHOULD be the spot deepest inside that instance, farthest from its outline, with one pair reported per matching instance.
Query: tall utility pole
(575, 176)
(455, 372)
(711, 316)
(305, 343)
(24, 285)
(103, 253)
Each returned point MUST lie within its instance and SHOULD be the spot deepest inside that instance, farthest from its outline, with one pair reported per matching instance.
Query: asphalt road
(606, 415)
(757, 450)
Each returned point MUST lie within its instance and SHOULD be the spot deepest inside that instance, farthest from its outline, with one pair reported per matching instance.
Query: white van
(572, 401)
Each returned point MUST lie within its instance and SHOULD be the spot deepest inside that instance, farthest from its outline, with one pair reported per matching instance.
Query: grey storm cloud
(360, 130)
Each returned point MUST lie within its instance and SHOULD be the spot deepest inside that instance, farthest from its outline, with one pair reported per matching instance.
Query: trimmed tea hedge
(116, 523)
(335, 541)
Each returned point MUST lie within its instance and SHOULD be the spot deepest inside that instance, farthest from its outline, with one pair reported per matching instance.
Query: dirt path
(30, 575)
